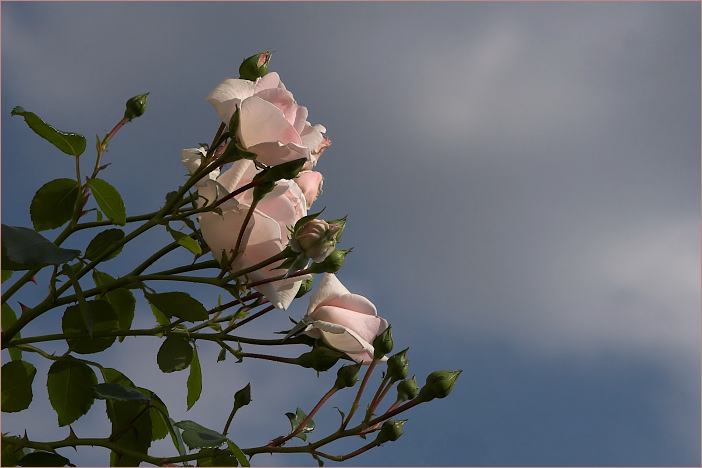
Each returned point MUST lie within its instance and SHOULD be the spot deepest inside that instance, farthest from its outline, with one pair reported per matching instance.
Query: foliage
(98, 308)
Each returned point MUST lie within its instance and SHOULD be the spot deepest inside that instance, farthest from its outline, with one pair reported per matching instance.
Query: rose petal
(262, 122)
(227, 95)
(329, 287)
(366, 326)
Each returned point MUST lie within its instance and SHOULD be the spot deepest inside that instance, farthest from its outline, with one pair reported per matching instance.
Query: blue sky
(522, 182)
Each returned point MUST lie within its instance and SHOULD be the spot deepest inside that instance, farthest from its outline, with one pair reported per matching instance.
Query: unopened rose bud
(382, 344)
(398, 366)
(136, 107)
(320, 359)
(407, 389)
(439, 384)
(390, 431)
(255, 66)
(316, 240)
(331, 264)
(347, 376)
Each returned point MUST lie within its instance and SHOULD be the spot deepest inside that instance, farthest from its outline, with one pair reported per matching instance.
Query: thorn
(33, 280)
(23, 307)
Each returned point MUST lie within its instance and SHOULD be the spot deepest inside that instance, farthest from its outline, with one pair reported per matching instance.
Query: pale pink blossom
(347, 322)
(266, 233)
(310, 182)
(271, 123)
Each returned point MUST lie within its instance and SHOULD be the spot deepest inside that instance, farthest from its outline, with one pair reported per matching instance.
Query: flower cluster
(244, 232)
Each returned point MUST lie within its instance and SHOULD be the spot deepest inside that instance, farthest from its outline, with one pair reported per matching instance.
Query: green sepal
(185, 241)
(54, 203)
(69, 143)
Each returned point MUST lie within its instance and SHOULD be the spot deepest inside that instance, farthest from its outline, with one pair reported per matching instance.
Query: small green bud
(347, 376)
(439, 384)
(136, 107)
(255, 66)
(382, 344)
(407, 389)
(397, 366)
(331, 264)
(390, 431)
(320, 359)
(305, 287)
(242, 397)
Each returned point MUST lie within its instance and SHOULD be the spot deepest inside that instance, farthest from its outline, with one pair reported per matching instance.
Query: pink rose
(310, 182)
(271, 124)
(266, 232)
(347, 322)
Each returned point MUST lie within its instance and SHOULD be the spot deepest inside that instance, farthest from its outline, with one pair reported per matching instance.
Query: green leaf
(109, 200)
(69, 143)
(122, 300)
(17, 378)
(43, 459)
(102, 242)
(178, 304)
(70, 383)
(8, 318)
(115, 391)
(104, 321)
(26, 249)
(196, 436)
(296, 419)
(218, 459)
(194, 380)
(158, 413)
(53, 204)
(11, 453)
(186, 241)
(121, 413)
(160, 316)
(6, 275)
(175, 354)
(243, 461)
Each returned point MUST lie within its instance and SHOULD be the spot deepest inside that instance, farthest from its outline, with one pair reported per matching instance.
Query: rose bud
(255, 66)
(439, 384)
(315, 240)
(136, 107)
(407, 389)
(347, 376)
(382, 344)
(331, 264)
(390, 431)
(397, 366)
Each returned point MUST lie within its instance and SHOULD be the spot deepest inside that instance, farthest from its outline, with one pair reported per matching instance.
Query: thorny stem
(303, 423)
(248, 319)
(358, 395)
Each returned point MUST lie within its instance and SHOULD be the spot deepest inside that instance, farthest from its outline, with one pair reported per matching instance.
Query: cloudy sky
(522, 182)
